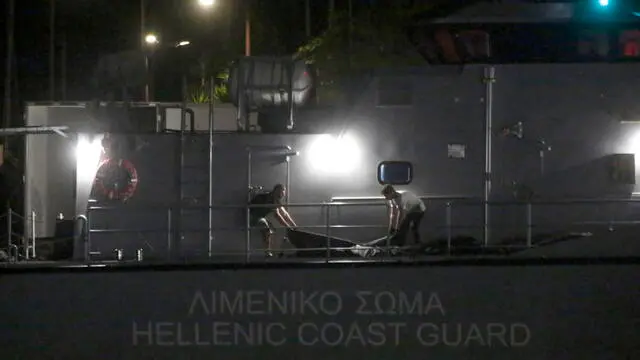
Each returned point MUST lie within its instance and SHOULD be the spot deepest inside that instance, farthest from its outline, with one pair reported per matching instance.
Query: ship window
(395, 172)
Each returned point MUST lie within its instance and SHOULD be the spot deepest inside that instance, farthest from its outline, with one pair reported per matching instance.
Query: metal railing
(449, 204)
(27, 243)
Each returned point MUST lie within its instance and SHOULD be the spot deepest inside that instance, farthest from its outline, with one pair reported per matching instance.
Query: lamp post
(150, 40)
(52, 50)
(8, 76)
(208, 4)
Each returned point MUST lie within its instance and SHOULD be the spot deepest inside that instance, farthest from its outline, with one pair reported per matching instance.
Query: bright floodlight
(184, 43)
(151, 39)
(88, 153)
(334, 155)
(603, 2)
(206, 3)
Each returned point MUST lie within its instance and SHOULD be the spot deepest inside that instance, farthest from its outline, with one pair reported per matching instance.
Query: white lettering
(271, 338)
(490, 335)
(396, 332)
(180, 335)
(524, 330)
(431, 338)
(148, 333)
(217, 334)
(164, 335)
(221, 334)
(354, 334)
(497, 332)
(434, 304)
(331, 334)
(197, 337)
(226, 305)
(388, 303)
(385, 303)
(363, 308)
(266, 302)
(474, 335)
(312, 338)
(256, 303)
(329, 299)
(307, 305)
(198, 300)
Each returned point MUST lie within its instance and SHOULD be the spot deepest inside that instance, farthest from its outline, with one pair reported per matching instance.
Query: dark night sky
(98, 27)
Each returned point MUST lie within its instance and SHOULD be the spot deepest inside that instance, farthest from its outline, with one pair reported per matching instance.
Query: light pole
(52, 50)
(153, 43)
(150, 40)
(208, 4)
(8, 76)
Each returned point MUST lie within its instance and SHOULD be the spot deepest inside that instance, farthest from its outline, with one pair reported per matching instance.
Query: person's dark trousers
(410, 225)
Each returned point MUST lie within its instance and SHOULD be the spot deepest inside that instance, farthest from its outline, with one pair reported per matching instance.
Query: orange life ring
(116, 180)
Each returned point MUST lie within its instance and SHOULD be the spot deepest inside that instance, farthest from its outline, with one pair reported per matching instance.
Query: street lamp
(206, 3)
(151, 39)
(247, 25)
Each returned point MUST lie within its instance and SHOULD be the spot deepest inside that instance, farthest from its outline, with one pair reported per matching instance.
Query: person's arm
(285, 218)
(399, 215)
(281, 218)
(393, 216)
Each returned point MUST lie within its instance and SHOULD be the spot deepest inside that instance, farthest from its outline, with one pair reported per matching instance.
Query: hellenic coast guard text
(307, 318)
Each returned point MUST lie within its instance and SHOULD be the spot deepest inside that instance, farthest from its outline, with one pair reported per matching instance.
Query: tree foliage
(265, 40)
(200, 94)
(374, 38)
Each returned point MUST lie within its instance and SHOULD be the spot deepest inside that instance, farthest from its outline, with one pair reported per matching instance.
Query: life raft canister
(116, 179)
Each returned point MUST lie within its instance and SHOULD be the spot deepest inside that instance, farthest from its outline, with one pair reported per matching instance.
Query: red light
(630, 41)
(631, 48)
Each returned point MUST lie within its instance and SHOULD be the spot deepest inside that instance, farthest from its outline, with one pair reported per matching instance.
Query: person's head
(388, 192)
(279, 191)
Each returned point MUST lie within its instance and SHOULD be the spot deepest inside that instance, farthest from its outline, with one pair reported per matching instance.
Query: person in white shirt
(406, 211)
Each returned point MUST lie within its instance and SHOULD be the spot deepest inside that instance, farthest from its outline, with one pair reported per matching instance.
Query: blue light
(603, 2)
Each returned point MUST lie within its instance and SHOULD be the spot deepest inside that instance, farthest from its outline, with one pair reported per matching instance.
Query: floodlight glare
(151, 39)
(334, 155)
(88, 153)
(207, 3)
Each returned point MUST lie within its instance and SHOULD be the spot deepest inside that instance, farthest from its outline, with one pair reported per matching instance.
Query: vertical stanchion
(87, 238)
(212, 93)
(169, 235)
(9, 229)
(449, 225)
(248, 212)
(529, 224)
(247, 245)
(328, 229)
(33, 237)
(489, 79)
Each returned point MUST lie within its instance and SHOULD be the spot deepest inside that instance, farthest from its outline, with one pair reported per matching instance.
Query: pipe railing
(367, 201)
(28, 242)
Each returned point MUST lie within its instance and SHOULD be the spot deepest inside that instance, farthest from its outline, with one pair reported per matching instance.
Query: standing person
(406, 211)
(260, 216)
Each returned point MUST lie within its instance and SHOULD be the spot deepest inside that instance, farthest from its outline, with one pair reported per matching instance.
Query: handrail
(233, 206)
(423, 197)
(372, 203)
(527, 237)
